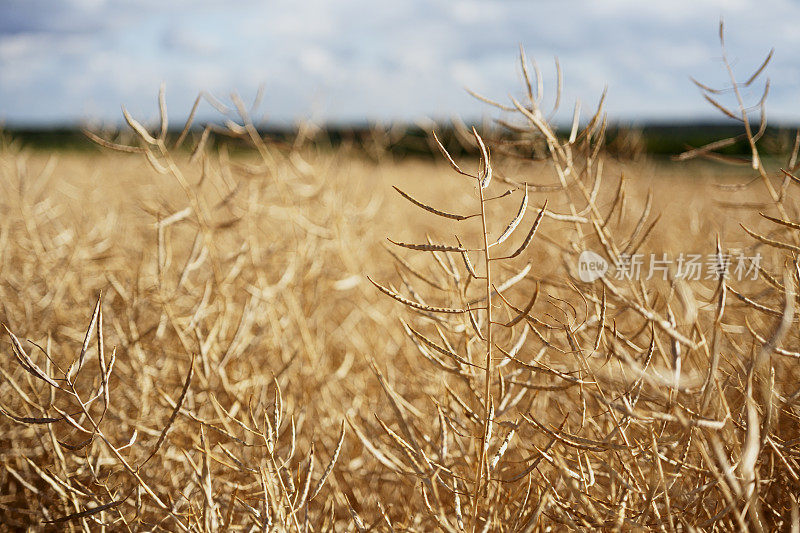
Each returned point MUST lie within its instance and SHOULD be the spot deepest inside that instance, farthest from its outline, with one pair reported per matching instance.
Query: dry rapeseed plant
(672, 424)
(124, 466)
(234, 341)
(468, 367)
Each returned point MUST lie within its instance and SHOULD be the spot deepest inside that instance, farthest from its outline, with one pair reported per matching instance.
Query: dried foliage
(238, 372)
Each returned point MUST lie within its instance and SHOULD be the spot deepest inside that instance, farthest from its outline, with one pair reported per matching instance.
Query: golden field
(193, 342)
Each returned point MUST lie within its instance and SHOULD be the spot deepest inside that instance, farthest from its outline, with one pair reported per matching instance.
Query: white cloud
(356, 60)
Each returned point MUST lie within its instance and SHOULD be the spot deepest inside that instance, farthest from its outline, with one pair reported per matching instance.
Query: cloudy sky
(68, 61)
